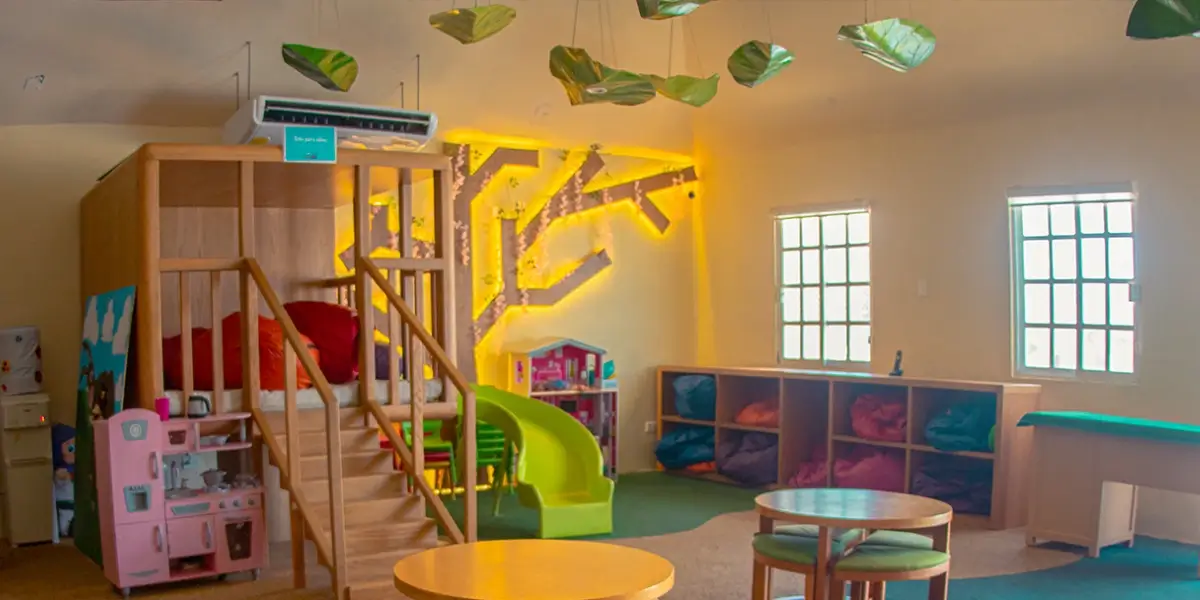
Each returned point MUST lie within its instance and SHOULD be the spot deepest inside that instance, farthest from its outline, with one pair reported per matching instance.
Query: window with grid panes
(825, 286)
(1073, 278)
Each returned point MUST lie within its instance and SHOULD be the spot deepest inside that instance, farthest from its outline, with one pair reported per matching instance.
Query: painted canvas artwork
(107, 331)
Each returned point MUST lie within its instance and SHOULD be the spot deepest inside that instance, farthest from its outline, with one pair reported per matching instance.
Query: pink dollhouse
(154, 527)
(575, 377)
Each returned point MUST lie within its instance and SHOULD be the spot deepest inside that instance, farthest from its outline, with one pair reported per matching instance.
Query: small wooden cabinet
(814, 424)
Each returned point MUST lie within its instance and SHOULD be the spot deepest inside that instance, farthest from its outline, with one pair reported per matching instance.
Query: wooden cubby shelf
(815, 429)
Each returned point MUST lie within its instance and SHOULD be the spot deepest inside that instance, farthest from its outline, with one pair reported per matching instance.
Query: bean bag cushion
(870, 468)
(764, 413)
(749, 459)
(879, 417)
(696, 397)
(334, 330)
(685, 446)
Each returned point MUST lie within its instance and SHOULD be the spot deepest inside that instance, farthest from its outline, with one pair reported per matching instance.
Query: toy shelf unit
(577, 378)
(154, 527)
(956, 441)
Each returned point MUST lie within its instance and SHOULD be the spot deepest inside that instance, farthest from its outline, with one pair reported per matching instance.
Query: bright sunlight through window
(1073, 278)
(825, 286)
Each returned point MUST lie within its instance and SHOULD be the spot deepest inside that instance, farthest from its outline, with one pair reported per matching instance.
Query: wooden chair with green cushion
(439, 454)
(867, 566)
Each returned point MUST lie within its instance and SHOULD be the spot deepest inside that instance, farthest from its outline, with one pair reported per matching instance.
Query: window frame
(777, 215)
(1017, 282)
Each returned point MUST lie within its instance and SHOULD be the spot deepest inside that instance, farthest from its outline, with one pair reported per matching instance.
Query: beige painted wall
(44, 171)
(939, 214)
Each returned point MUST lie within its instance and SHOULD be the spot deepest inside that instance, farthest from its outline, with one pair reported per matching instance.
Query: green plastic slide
(560, 471)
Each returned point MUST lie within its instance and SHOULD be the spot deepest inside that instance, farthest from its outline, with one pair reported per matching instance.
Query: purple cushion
(382, 352)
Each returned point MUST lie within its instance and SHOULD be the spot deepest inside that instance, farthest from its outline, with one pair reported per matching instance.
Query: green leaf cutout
(589, 82)
(332, 69)
(1158, 19)
(696, 91)
(898, 44)
(470, 25)
(755, 62)
(668, 9)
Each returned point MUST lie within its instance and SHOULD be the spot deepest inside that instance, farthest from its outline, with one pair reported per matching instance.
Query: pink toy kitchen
(159, 526)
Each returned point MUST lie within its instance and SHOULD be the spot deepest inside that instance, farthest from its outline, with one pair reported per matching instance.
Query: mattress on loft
(346, 394)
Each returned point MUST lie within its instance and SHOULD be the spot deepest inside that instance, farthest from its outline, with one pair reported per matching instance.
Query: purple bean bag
(751, 459)
(870, 468)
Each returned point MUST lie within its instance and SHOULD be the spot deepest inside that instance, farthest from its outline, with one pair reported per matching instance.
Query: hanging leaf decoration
(471, 25)
(589, 82)
(668, 9)
(755, 62)
(332, 69)
(1158, 19)
(695, 91)
(898, 44)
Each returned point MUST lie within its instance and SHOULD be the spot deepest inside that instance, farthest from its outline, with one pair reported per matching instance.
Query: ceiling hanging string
(767, 15)
(690, 40)
(575, 24)
(612, 40)
(671, 49)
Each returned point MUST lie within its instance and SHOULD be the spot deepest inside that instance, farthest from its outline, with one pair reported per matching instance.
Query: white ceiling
(173, 62)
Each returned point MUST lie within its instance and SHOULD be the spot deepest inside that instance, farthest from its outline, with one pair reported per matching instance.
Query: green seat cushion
(1160, 431)
(902, 539)
(796, 549)
(889, 559)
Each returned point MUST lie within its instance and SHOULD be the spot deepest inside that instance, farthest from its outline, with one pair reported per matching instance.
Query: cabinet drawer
(193, 536)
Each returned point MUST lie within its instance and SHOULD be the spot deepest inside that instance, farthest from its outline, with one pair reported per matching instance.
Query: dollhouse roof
(544, 345)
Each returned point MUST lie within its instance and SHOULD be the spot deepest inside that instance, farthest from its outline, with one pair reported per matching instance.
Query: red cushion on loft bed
(334, 330)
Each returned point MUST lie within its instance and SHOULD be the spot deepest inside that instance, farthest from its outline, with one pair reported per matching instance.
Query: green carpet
(643, 504)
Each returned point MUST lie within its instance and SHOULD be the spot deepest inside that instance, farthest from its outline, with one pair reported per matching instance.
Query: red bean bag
(270, 351)
(334, 329)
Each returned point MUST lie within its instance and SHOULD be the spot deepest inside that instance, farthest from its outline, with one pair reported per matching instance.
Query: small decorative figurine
(897, 370)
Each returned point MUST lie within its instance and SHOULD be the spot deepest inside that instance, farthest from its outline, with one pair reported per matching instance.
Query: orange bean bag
(270, 352)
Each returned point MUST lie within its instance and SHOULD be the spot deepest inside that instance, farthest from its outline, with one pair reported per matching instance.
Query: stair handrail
(417, 329)
(336, 549)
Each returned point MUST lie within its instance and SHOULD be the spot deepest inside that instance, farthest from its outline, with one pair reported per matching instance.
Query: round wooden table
(866, 509)
(534, 570)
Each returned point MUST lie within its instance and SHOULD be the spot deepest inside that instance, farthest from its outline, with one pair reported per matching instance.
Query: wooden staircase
(383, 520)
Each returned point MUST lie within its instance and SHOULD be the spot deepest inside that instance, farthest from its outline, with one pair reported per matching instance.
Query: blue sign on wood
(310, 144)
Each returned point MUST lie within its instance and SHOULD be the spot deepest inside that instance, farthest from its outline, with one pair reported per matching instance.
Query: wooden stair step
(359, 487)
(375, 511)
(354, 440)
(316, 468)
(384, 538)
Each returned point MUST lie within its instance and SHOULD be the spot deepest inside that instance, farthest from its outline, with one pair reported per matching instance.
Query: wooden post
(185, 337)
(218, 351)
(149, 286)
(366, 310)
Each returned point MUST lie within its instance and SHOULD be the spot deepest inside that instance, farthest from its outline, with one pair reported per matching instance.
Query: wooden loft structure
(205, 231)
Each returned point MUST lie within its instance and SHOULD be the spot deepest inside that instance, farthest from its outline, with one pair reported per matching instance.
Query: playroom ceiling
(182, 62)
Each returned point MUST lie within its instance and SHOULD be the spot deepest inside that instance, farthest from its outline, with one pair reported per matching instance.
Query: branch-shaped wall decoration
(518, 241)
(471, 25)
(332, 69)
(898, 44)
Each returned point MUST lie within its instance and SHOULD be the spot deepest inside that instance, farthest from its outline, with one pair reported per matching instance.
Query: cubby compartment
(804, 433)
(694, 393)
(757, 396)
(962, 481)
(887, 424)
(868, 466)
(749, 458)
(962, 420)
(686, 447)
